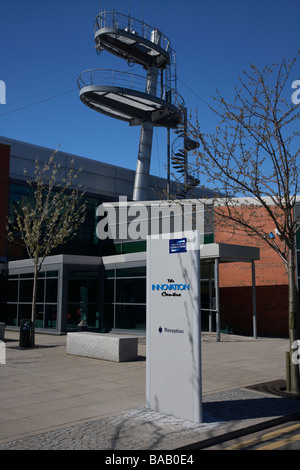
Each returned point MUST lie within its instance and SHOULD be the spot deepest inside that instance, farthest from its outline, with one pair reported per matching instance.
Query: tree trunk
(34, 296)
(293, 323)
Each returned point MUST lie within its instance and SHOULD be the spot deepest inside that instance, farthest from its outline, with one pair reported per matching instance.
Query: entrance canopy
(226, 253)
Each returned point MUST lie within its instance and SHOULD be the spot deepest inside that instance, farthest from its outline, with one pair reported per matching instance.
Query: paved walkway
(51, 400)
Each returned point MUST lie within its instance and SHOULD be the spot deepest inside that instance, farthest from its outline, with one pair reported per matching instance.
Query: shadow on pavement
(250, 408)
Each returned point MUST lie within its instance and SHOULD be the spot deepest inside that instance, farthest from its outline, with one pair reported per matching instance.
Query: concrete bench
(109, 347)
(2, 331)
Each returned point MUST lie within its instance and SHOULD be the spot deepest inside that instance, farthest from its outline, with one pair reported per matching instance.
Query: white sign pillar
(173, 363)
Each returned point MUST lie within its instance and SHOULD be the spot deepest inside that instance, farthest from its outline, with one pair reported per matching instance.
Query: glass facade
(207, 294)
(85, 243)
(18, 296)
(84, 292)
(124, 298)
(109, 247)
(17, 192)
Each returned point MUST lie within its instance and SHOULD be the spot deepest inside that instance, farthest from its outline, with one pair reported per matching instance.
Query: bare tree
(48, 217)
(253, 156)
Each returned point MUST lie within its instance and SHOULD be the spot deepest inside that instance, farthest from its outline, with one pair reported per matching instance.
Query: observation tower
(141, 100)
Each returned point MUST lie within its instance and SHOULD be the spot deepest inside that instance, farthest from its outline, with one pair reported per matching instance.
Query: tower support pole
(140, 190)
(143, 164)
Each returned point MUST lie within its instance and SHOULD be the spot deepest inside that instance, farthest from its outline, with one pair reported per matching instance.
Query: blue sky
(46, 44)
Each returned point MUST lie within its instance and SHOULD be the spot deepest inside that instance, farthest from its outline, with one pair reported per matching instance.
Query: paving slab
(51, 400)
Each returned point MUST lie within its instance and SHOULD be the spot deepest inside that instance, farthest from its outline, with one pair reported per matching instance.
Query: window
(19, 299)
(84, 292)
(84, 243)
(110, 248)
(124, 297)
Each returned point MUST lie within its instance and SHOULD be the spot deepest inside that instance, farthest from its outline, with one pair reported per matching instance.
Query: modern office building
(112, 273)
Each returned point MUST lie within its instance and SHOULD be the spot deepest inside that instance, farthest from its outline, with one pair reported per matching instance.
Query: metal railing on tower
(148, 101)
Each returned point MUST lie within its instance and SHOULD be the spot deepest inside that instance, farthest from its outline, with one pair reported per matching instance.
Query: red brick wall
(271, 310)
(271, 287)
(4, 194)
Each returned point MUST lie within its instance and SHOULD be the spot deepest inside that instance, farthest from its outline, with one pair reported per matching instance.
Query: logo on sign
(167, 289)
(177, 245)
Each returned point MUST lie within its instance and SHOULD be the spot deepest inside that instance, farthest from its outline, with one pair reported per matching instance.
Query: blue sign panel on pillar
(177, 245)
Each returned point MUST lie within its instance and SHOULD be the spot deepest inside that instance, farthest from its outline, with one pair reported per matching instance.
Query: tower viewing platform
(125, 96)
(131, 39)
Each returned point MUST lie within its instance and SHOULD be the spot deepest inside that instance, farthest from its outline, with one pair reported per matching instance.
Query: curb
(204, 444)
